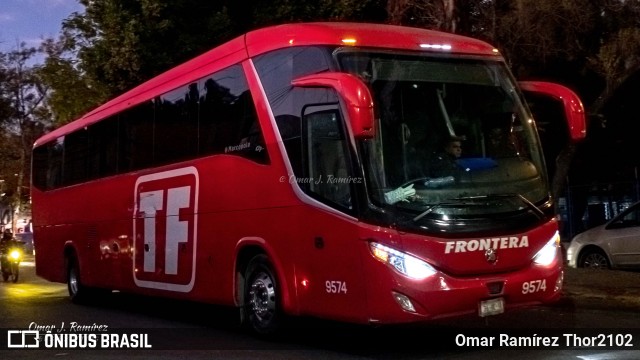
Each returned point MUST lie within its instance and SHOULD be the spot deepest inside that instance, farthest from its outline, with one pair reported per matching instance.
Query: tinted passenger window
(76, 146)
(176, 126)
(47, 163)
(103, 148)
(136, 135)
(215, 115)
(228, 120)
(40, 163)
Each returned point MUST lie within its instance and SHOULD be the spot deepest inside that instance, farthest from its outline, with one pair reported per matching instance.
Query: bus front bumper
(394, 298)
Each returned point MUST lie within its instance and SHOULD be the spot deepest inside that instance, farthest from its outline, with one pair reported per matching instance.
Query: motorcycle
(10, 257)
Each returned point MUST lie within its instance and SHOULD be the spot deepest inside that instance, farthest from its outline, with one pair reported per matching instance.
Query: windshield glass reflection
(452, 136)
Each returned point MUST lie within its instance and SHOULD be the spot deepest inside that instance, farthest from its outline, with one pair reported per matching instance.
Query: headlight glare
(15, 254)
(405, 264)
(547, 255)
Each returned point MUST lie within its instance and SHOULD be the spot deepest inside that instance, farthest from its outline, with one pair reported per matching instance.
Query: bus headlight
(405, 264)
(547, 255)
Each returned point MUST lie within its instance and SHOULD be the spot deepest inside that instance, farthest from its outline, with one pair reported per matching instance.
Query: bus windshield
(453, 137)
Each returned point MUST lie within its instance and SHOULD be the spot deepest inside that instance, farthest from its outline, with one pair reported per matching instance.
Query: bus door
(333, 269)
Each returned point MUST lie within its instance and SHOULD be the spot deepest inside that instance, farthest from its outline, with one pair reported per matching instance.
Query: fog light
(403, 301)
(559, 282)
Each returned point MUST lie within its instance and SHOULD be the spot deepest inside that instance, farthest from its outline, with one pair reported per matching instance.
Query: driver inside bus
(444, 163)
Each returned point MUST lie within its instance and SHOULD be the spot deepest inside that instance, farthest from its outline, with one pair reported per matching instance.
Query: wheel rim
(595, 261)
(73, 281)
(262, 298)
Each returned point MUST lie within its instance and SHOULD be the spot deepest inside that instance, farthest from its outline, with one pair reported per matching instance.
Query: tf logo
(165, 222)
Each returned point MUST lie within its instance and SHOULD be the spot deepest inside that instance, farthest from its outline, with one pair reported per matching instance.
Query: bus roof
(362, 35)
(260, 41)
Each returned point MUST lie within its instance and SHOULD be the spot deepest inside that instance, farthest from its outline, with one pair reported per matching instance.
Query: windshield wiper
(426, 212)
(520, 197)
(458, 202)
(444, 204)
(532, 206)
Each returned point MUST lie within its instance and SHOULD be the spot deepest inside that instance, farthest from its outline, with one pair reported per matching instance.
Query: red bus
(297, 170)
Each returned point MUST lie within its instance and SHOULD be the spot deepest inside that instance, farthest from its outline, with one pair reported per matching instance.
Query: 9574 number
(335, 287)
(534, 286)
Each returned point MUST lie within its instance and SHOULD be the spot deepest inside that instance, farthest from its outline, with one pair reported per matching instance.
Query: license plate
(491, 307)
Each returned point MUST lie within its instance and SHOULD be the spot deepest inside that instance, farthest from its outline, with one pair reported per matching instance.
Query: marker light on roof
(349, 41)
(446, 47)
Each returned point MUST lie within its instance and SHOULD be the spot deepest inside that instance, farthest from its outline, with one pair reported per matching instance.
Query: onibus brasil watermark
(73, 335)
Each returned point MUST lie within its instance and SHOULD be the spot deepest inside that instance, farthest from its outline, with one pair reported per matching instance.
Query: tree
(121, 43)
(22, 121)
(72, 92)
(616, 61)
(117, 44)
(5, 102)
(286, 11)
(443, 15)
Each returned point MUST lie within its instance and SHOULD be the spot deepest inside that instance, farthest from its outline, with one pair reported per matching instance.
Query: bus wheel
(73, 281)
(79, 294)
(261, 296)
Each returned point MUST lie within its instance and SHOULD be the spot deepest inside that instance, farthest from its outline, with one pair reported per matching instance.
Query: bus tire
(79, 293)
(74, 286)
(262, 296)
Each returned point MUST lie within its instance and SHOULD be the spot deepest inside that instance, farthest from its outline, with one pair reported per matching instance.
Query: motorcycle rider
(8, 266)
(5, 241)
(7, 236)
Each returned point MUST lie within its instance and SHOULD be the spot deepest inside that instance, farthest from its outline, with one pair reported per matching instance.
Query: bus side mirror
(355, 94)
(573, 108)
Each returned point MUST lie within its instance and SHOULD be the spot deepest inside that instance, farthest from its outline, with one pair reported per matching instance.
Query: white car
(615, 244)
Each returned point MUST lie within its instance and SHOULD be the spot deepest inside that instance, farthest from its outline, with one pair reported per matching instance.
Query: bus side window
(103, 148)
(228, 119)
(75, 168)
(47, 165)
(327, 171)
(136, 137)
(176, 125)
